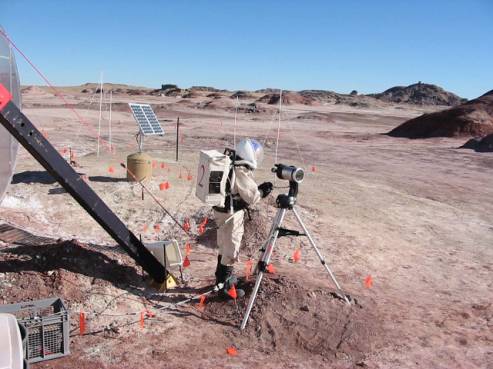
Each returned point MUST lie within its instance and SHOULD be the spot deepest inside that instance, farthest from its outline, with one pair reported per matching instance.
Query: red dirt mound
(474, 118)
(288, 98)
(66, 268)
(290, 318)
(484, 144)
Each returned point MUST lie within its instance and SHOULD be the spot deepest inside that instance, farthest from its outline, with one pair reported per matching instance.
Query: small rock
(305, 308)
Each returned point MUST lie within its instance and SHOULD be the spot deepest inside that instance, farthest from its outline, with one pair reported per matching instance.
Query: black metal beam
(40, 148)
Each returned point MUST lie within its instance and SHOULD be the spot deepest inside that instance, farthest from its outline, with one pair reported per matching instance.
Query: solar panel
(146, 119)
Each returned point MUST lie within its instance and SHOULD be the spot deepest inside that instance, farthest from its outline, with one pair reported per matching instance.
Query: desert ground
(415, 216)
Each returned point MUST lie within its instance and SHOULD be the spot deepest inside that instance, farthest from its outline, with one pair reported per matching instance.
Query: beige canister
(140, 165)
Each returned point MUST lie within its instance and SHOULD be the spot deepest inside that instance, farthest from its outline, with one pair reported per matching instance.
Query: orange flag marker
(232, 292)
(163, 165)
(111, 170)
(145, 227)
(297, 255)
(232, 351)
(369, 281)
(314, 169)
(186, 262)
(82, 323)
(163, 186)
(201, 305)
(188, 249)
(142, 316)
(189, 177)
(186, 225)
(270, 268)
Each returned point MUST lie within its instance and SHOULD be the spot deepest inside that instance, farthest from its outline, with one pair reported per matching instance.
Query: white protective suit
(231, 226)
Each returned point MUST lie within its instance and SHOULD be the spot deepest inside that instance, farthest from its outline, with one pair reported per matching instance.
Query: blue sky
(238, 44)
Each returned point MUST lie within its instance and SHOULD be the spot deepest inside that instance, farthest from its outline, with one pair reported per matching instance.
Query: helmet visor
(258, 151)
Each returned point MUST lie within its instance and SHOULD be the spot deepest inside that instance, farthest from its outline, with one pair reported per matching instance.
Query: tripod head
(295, 176)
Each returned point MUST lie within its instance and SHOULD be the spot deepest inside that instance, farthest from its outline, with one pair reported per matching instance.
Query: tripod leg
(268, 240)
(269, 248)
(322, 260)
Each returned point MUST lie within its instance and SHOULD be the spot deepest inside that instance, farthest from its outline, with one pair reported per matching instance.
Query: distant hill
(473, 118)
(288, 98)
(419, 94)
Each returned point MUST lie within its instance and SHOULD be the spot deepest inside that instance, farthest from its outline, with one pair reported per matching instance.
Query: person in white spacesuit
(243, 192)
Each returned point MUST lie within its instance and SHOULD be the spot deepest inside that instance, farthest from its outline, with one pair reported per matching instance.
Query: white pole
(100, 110)
(234, 129)
(111, 98)
(279, 125)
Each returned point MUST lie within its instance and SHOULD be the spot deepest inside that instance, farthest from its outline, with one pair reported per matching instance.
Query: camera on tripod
(289, 172)
(295, 176)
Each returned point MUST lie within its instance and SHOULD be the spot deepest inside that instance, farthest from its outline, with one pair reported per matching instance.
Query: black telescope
(295, 176)
(289, 172)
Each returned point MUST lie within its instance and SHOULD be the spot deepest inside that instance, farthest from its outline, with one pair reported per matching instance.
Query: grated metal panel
(47, 326)
(13, 235)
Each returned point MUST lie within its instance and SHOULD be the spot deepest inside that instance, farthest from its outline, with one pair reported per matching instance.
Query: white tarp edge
(9, 77)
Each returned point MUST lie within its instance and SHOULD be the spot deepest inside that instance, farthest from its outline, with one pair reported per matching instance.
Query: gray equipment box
(47, 328)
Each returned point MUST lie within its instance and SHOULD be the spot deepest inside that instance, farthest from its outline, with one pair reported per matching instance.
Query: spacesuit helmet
(251, 152)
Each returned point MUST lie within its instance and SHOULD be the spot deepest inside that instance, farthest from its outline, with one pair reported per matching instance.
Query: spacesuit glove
(265, 189)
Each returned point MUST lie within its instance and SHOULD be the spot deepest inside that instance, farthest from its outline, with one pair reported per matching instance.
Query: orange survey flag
(82, 323)
(297, 255)
(270, 268)
(188, 249)
(201, 306)
(232, 292)
(369, 281)
(232, 351)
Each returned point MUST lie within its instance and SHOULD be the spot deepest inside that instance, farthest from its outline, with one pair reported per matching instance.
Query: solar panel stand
(140, 141)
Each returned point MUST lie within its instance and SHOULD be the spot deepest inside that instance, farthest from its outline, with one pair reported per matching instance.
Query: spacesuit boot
(226, 275)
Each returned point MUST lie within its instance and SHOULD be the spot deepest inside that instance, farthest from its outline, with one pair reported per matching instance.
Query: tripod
(284, 202)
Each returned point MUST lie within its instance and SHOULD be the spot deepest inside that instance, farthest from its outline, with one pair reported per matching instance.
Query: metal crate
(47, 325)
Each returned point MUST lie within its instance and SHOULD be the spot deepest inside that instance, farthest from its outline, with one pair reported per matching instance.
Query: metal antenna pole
(109, 123)
(278, 125)
(100, 110)
(234, 128)
(264, 261)
(322, 259)
(177, 136)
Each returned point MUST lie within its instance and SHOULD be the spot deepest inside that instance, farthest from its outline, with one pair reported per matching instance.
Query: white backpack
(212, 177)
